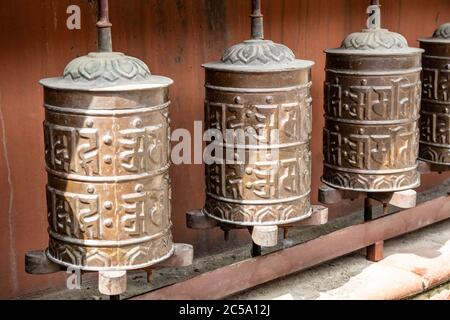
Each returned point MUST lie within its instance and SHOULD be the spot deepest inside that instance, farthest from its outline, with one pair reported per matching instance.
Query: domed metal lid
(106, 70)
(374, 40)
(441, 35)
(258, 54)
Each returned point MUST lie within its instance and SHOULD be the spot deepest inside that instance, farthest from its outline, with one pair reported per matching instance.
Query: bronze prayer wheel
(107, 157)
(435, 114)
(260, 88)
(372, 103)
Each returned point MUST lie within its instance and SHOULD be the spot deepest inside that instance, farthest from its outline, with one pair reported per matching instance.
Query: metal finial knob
(374, 12)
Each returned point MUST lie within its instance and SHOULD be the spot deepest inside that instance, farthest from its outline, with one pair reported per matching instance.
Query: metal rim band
(105, 112)
(118, 268)
(375, 73)
(373, 122)
(413, 186)
(258, 202)
(114, 179)
(258, 90)
(370, 172)
(435, 57)
(440, 102)
(256, 224)
(434, 162)
(108, 243)
(434, 144)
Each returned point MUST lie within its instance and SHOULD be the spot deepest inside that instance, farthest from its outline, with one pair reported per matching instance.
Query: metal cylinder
(435, 114)
(260, 89)
(372, 102)
(107, 157)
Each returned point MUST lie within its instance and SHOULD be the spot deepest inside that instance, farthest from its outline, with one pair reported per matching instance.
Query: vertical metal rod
(256, 250)
(257, 21)
(104, 27)
(385, 208)
(374, 252)
(368, 209)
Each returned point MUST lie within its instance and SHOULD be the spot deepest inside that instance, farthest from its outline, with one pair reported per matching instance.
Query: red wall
(174, 37)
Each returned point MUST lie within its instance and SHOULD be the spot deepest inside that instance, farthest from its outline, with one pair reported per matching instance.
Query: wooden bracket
(37, 263)
(197, 220)
(329, 195)
(425, 167)
(319, 217)
(402, 199)
(183, 256)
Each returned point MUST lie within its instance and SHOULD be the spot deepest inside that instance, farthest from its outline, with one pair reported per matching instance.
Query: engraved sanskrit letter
(132, 156)
(134, 219)
(87, 151)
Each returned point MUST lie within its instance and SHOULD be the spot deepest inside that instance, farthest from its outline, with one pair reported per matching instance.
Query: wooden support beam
(37, 263)
(196, 219)
(249, 273)
(375, 252)
(401, 199)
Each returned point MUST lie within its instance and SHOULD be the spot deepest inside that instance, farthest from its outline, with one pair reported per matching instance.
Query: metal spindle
(104, 27)
(257, 21)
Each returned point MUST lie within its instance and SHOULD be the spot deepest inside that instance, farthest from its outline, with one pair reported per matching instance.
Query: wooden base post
(266, 236)
(112, 283)
(375, 252)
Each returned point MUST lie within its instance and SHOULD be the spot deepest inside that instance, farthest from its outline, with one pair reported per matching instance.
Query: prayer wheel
(107, 157)
(258, 100)
(372, 103)
(435, 114)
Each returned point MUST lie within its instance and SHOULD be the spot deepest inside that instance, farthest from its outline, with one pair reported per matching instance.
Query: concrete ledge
(378, 282)
(400, 275)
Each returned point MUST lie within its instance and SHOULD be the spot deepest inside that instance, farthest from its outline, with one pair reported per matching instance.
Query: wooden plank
(250, 273)
(375, 252)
